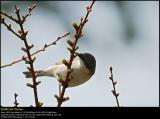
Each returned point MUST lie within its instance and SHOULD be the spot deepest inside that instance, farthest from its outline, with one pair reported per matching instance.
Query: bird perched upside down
(84, 65)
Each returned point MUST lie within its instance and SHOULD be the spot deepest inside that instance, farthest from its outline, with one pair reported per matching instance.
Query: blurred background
(122, 34)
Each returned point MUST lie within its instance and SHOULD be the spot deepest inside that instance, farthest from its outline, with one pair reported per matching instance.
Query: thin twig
(29, 12)
(114, 84)
(27, 50)
(36, 52)
(73, 49)
(9, 16)
(15, 100)
(20, 20)
(10, 29)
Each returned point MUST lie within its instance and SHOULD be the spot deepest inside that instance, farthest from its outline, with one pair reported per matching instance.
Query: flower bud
(76, 48)
(74, 24)
(23, 49)
(30, 85)
(70, 42)
(65, 62)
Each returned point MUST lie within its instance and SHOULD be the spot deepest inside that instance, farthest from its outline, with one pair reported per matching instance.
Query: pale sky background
(122, 34)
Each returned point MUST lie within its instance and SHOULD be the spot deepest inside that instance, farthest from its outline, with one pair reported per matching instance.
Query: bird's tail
(29, 75)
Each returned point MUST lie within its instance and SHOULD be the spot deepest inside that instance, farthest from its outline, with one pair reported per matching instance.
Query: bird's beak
(80, 55)
(77, 54)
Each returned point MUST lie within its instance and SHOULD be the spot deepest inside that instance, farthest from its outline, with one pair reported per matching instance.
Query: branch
(29, 12)
(15, 100)
(114, 84)
(36, 52)
(30, 60)
(20, 20)
(77, 35)
(10, 28)
(10, 17)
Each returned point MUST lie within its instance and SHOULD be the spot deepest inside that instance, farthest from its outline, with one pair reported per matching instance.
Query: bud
(65, 99)
(30, 85)
(89, 10)
(110, 78)
(81, 34)
(115, 82)
(56, 96)
(110, 68)
(2, 19)
(75, 35)
(74, 24)
(17, 9)
(33, 58)
(86, 20)
(29, 13)
(70, 42)
(45, 45)
(88, 7)
(40, 104)
(37, 83)
(68, 48)
(34, 5)
(20, 32)
(114, 93)
(23, 49)
(76, 48)
(81, 19)
(65, 62)
(117, 94)
(31, 46)
(15, 94)
(25, 33)
(27, 61)
(23, 57)
(29, 8)
(9, 27)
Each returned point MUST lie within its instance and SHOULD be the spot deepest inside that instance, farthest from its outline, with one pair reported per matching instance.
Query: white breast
(79, 75)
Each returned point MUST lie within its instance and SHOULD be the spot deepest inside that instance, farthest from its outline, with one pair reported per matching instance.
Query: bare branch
(10, 29)
(9, 16)
(114, 86)
(73, 49)
(15, 100)
(36, 52)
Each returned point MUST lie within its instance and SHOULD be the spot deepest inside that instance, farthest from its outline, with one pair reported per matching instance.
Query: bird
(83, 65)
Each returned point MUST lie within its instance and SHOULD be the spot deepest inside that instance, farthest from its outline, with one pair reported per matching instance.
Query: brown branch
(10, 29)
(27, 48)
(36, 52)
(9, 16)
(15, 100)
(114, 84)
(77, 35)
(27, 51)
(29, 12)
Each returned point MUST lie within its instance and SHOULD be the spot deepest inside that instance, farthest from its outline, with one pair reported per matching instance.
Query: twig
(20, 20)
(27, 50)
(77, 35)
(114, 84)
(37, 51)
(15, 100)
(29, 13)
(9, 16)
(10, 29)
